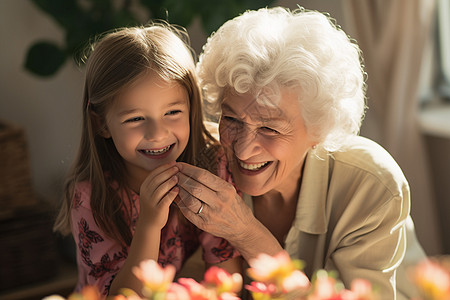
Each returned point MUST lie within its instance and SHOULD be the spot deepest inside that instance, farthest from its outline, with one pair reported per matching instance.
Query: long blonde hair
(116, 61)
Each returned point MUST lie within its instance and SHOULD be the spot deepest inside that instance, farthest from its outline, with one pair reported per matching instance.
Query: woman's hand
(222, 212)
(157, 193)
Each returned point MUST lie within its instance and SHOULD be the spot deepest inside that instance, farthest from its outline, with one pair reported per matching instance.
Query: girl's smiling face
(149, 124)
(265, 144)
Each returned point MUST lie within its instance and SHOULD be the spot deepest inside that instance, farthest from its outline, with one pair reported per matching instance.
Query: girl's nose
(156, 131)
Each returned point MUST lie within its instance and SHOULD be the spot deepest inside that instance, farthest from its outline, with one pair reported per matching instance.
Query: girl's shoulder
(82, 194)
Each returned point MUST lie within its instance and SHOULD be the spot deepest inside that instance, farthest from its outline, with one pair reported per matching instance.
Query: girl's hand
(223, 212)
(157, 193)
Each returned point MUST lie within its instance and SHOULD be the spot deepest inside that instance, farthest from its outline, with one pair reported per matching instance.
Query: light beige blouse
(353, 217)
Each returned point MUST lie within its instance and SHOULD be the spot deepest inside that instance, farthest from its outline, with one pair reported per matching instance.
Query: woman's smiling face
(265, 144)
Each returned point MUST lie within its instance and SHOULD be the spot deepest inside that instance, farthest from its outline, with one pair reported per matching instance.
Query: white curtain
(393, 35)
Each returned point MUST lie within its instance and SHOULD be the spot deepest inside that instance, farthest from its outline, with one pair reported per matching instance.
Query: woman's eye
(135, 119)
(269, 130)
(173, 112)
(230, 119)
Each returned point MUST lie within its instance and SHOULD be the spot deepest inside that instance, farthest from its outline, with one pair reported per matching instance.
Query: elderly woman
(290, 89)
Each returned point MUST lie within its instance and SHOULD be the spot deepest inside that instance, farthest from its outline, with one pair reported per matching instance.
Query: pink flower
(266, 268)
(325, 287)
(177, 292)
(361, 289)
(222, 280)
(196, 290)
(432, 280)
(154, 277)
(228, 296)
(262, 288)
(296, 281)
(277, 277)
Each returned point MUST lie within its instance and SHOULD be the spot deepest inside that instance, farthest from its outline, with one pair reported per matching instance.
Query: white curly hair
(274, 48)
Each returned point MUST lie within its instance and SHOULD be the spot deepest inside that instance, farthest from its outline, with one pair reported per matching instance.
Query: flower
(155, 278)
(177, 292)
(196, 290)
(325, 287)
(432, 278)
(297, 280)
(266, 268)
(217, 284)
(87, 293)
(222, 281)
(277, 277)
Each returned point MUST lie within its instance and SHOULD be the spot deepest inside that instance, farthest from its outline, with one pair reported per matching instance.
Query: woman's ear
(99, 125)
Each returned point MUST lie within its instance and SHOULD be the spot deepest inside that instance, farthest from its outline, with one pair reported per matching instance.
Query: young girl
(141, 113)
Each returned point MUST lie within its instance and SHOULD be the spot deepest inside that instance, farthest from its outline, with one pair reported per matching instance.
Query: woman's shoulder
(367, 157)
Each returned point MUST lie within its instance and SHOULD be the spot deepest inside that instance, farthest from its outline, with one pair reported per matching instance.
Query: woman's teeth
(157, 152)
(253, 167)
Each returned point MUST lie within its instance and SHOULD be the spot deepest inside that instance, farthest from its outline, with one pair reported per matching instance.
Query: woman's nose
(156, 131)
(246, 144)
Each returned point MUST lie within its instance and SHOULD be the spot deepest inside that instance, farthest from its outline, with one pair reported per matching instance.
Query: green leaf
(44, 58)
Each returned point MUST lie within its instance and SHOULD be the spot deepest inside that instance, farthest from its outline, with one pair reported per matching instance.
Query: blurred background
(406, 50)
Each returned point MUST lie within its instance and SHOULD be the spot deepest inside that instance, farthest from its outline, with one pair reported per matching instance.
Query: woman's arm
(224, 213)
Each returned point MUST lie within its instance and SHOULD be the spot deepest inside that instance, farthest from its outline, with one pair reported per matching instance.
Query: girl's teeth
(253, 167)
(157, 152)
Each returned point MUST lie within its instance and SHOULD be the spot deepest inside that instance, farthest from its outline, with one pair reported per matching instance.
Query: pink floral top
(99, 257)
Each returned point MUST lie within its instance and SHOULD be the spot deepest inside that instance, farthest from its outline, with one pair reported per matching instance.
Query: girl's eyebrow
(127, 112)
(170, 104)
(177, 102)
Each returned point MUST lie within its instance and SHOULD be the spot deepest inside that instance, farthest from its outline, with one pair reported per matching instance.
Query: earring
(314, 147)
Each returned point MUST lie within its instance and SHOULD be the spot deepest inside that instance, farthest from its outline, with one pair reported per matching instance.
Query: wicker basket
(27, 246)
(15, 178)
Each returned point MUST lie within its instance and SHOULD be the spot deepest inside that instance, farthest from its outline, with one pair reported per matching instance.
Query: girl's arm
(156, 194)
(98, 256)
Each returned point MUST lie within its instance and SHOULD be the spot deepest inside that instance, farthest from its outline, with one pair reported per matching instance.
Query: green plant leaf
(44, 58)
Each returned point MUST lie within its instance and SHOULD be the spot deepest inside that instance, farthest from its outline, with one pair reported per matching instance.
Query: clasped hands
(210, 203)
